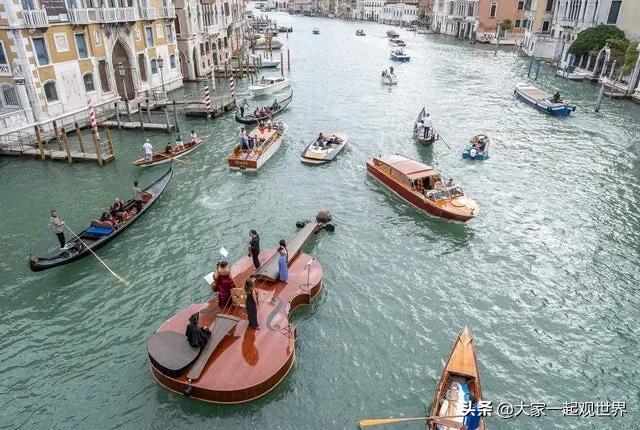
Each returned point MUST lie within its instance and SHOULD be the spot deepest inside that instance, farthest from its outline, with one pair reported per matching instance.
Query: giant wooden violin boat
(238, 364)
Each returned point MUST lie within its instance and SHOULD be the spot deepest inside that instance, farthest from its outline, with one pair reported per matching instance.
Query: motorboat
(269, 85)
(477, 148)
(399, 55)
(542, 100)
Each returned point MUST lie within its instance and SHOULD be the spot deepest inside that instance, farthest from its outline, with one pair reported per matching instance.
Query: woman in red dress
(223, 284)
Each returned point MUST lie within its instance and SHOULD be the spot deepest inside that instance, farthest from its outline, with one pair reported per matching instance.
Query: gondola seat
(97, 232)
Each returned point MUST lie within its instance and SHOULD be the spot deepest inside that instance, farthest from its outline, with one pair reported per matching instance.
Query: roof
(411, 168)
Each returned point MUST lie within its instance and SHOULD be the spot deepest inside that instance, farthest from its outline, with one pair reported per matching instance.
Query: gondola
(252, 119)
(459, 378)
(99, 233)
(163, 157)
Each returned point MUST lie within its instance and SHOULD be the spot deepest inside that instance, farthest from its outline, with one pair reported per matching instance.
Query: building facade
(399, 13)
(56, 56)
(538, 36)
(455, 17)
(369, 10)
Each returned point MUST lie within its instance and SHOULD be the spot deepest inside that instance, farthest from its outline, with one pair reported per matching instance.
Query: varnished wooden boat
(96, 235)
(460, 377)
(252, 119)
(423, 187)
(267, 143)
(163, 157)
(315, 154)
(240, 364)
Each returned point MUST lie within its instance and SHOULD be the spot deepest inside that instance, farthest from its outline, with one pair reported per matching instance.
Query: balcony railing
(35, 18)
(169, 11)
(148, 13)
(81, 16)
(118, 14)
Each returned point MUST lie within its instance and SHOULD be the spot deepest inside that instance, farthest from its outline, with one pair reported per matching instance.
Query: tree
(506, 25)
(630, 58)
(593, 39)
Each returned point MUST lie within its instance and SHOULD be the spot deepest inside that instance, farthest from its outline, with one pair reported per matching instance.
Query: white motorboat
(269, 85)
(266, 63)
(262, 43)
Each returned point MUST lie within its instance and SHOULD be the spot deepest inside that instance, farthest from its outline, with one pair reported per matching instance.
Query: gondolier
(254, 247)
(57, 225)
(137, 196)
(148, 150)
(427, 124)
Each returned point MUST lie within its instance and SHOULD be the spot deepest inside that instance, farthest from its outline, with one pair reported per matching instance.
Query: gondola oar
(115, 275)
(447, 421)
(441, 138)
(174, 159)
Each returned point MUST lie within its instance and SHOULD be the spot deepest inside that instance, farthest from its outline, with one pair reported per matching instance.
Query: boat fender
(301, 224)
(573, 108)
(473, 153)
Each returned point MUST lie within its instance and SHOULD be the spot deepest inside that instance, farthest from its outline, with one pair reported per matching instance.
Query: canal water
(546, 276)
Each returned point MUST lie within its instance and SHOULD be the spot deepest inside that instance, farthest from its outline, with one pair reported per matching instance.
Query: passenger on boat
(57, 225)
(391, 70)
(384, 73)
(450, 182)
(275, 106)
(197, 336)
(244, 140)
(254, 247)
(251, 304)
(283, 261)
(472, 418)
(256, 113)
(281, 128)
(223, 284)
(117, 209)
(179, 143)
(137, 196)
(320, 141)
(194, 137)
(168, 149)
(426, 124)
(556, 97)
(148, 150)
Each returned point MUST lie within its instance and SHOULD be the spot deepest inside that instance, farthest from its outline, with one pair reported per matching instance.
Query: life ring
(473, 153)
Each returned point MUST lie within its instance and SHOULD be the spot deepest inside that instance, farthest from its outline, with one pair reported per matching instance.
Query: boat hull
(413, 199)
(261, 91)
(399, 58)
(555, 109)
(316, 157)
(478, 156)
(142, 162)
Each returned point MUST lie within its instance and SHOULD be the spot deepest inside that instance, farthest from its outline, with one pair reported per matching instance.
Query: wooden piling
(96, 145)
(166, 119)
(175, 117)
(66, 146)
(148, 111)
(56, 132)
(140, 115)
(39, 139)
(109, 141)
(79, 134)
(281, 64)
(117, 114)
(288, 60)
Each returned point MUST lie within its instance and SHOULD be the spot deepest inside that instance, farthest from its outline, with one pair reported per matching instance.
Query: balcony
(148, 13)
(35, 18)
(169, 11)
(118, 14)
(80, 16)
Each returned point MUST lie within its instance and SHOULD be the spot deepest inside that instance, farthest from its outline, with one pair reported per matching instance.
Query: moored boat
(164, 157)
(423, 130)
(263, 43)
(283, 29)
(399, 55)
(269, 85)
(422, 186)
(392, 34)
(100, 233)
(316, 30)
(398, 42)
(360, 33)
(477, 148)
(542, 100)
(459, 379)
(262, 114)
(264, 62)
(266, 142)
(324, 150)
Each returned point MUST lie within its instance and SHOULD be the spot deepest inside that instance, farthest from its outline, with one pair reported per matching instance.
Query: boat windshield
(447, 193)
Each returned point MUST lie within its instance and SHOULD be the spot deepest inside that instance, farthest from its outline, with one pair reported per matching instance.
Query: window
(170, 33)
(41, 50)
(520, 5)
(9, 96)
(88, 82)
(50, 92)
(154, 67)
(517, 24)
(27, 4)
(81, 43)
(614, 10)
(3, 57)
(142, 66)
(549, 7)
(545, 26)
(172, 61)
(525, 23)
(492, 13)
(148, 31)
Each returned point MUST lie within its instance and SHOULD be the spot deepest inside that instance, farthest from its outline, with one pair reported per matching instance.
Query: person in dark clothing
(197, 336)
(251, 304)
(472, 418)
(254, 247)
(556, 97)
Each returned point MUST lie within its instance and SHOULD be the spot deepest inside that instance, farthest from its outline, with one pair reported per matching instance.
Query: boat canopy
(410, 168)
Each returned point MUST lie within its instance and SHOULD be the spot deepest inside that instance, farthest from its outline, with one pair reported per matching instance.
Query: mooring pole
(529, 69)
(537, 70)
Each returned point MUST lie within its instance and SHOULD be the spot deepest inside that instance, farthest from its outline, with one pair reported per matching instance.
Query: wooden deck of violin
(248, 363)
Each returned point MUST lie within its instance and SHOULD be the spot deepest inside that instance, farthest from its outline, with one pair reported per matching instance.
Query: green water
(546, 276)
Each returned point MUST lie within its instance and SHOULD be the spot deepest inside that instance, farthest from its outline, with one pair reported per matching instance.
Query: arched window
(172, 61)
(89, 85)
(50, 91)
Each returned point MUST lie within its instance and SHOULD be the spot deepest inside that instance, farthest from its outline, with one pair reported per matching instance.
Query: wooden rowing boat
(316, 154)
(99, 234)
(460, 377)
(252, 119)
(267, 143)
(423, 187)
(163, 157)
